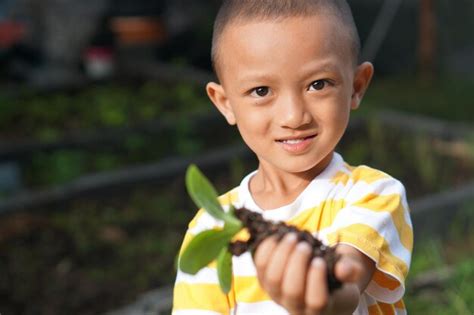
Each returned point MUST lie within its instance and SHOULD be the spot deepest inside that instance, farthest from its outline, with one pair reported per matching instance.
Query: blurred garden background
(102, 107)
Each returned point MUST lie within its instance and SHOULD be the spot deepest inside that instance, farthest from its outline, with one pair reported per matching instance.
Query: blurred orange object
(11, 32)
(138, 30)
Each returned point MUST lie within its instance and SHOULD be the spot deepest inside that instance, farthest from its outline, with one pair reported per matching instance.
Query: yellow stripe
(374, 310)
(385, 281)
(392, 204)
(210, 297)
(367, 174)
(317, 218)
(243, 235)
(340, 178)
(382, 309)
(386, 309)
(248, 290)
(359, 174)
(400, 305)
(229, 197)
(201, 297)
(374, 245)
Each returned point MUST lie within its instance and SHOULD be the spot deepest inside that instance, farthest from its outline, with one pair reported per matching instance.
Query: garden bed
(440, 280)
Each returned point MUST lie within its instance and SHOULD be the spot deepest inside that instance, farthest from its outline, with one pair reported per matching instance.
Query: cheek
(253, 119)
(335, 115)
(254, 127)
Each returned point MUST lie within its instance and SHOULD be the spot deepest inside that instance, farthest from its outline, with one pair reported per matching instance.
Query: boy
(289, 77)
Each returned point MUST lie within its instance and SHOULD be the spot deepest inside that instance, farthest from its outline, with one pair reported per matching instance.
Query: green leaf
(224, 270)
(203, 249)
(205, 196)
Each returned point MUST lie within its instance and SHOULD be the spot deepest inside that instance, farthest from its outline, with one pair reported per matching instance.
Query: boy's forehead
(305, 34)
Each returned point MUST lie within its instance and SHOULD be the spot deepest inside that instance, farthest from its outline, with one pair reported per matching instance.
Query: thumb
(348, 269)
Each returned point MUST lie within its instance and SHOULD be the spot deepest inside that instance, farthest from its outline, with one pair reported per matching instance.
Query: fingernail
(317, 262)
(303, 247)
(290, 237)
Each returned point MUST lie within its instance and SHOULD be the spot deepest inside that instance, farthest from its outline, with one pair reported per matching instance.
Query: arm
(291, 280)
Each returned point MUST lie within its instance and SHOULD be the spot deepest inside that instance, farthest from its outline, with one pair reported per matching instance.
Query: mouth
(295, 140)
(296, 145)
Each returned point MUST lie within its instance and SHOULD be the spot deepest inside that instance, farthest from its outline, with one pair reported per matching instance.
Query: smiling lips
(296, 145)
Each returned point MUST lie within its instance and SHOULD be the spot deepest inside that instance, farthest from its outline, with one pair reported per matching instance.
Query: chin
(296, 167)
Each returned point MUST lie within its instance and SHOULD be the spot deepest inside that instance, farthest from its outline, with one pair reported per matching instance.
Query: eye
(261, 91)
(317, 85)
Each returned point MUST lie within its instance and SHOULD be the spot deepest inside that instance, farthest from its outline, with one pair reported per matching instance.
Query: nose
(292, 111)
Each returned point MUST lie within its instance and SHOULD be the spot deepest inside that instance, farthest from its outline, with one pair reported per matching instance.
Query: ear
(362, 77)
(219, 97)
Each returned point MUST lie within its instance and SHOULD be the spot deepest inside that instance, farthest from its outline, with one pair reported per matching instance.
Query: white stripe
(406, 213)
(399, 311)
(362, 307)
(379, 221)
(259, 308)
(205, 276)
(194, 312)
(243, 266)
(383, 187)
(385, 295)
(205, 222)
(312, 197)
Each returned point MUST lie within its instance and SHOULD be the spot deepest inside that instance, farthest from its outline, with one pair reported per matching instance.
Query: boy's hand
(300, 286)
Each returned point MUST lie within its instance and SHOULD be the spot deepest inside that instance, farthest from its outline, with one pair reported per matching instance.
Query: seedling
(210, 245)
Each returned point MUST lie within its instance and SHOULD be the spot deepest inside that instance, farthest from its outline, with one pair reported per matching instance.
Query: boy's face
(289, 85)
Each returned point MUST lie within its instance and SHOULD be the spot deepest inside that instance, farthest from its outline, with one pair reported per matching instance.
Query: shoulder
(375, 220)
(364, 179)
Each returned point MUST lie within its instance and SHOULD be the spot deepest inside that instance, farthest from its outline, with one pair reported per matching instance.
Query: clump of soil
(260, 229)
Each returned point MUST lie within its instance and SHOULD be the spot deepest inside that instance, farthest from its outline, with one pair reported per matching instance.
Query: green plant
(211, 244)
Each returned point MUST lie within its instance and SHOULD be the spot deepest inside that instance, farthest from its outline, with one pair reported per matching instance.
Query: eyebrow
(255, 77)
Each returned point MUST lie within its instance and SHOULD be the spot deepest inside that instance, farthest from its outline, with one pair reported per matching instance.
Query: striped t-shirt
(358, 206)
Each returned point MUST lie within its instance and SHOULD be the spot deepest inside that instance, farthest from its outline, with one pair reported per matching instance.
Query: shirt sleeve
(199, 294)
(376, 221)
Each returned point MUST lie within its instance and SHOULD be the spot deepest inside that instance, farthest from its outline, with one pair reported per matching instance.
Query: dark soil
(260, 229)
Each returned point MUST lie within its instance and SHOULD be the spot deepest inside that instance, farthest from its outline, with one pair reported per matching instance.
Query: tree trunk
(427, 40)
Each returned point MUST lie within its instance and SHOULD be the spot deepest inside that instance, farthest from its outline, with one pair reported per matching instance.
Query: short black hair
(243, 10)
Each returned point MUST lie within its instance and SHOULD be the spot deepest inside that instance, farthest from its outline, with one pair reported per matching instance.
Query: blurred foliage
(451, 249)
(108, 107)
(50, 116)
(412, 157)
(446, 98)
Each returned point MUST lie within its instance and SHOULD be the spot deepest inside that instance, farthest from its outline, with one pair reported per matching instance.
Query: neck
(273, 188)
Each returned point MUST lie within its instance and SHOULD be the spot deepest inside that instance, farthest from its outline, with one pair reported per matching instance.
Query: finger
(317, 295)
(264, 253)
(273, 275)
(348, 269)
(294, 280)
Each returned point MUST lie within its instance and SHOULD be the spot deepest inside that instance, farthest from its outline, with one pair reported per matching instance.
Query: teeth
(295, 141)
